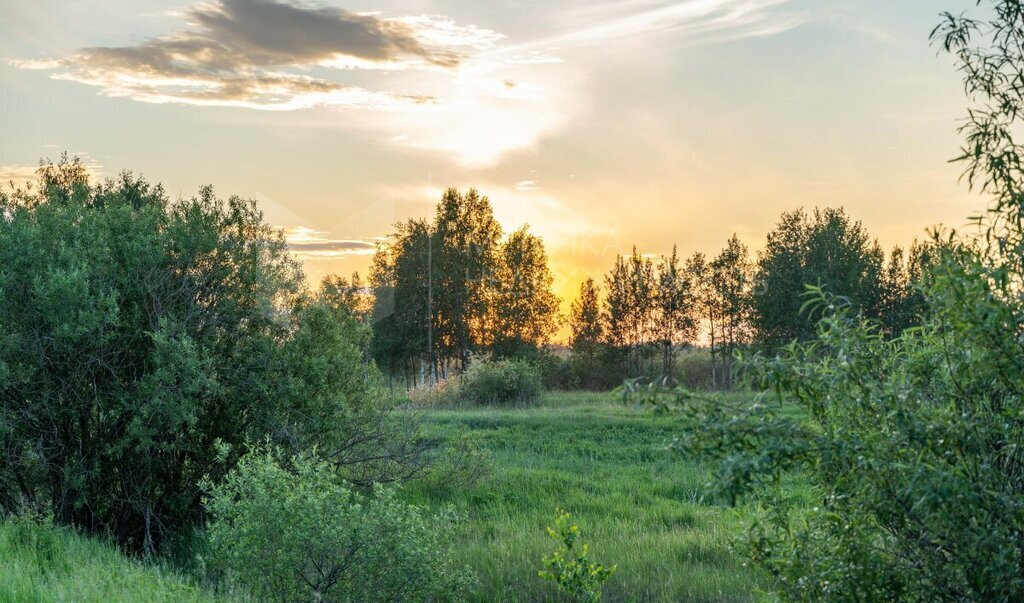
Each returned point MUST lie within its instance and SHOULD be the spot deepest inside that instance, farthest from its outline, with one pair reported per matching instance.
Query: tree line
(652, 308)
(442, 290)
(455, 286)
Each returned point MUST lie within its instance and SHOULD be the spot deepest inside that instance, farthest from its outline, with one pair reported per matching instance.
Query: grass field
(42, 564)
(637, 505)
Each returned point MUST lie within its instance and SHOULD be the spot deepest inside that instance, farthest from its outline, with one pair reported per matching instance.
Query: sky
(603, 124)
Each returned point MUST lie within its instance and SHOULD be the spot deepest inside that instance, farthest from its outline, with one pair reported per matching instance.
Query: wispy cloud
(309, 244)
(695, 19)
(433, 83)
(21, 174)
(18, 174)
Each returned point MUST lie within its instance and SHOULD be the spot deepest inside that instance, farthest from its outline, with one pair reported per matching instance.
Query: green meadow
(639, 506)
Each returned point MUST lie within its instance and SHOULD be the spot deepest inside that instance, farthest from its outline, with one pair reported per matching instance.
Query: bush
(693, 368)
(300, 534)
(137, 335)
(500, 382)
(442, 393)
(556, 371)
(570, 567)
(600, 368)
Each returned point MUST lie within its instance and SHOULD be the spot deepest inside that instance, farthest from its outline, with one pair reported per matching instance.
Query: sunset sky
(602, 124)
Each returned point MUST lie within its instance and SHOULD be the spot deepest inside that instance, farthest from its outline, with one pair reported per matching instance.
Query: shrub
(138, 334)
(694, 370)
(556, 371)
(500, 382)
(569, 565)
(300, 534)
(442, 393)
(600, 368)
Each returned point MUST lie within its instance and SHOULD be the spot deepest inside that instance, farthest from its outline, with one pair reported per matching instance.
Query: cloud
(700, 20)
(252, 53)
(450, 87)
(22, 174)
(309, 244)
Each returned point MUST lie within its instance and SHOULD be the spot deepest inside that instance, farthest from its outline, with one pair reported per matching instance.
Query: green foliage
(297, 533)
(825, 249)
(451, 288)
(629, 307)
(694, 370)
(674, 319)
(569, 565)
(524, 308)
(500, 382)
(641, 506)
(587, 330)
(910, 442)
(40, 562)
(142, 342)
(728, 309)
(556, 370)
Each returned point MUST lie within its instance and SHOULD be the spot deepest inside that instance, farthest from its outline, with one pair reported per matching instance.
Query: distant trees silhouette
(446, 289)
(653, 308)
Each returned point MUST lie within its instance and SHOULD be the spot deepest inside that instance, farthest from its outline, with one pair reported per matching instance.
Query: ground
(641, 507)
(40, 563)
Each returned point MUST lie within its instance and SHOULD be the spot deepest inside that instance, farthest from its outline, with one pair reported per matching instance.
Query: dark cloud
(239, 52)
(234, 35)
(316, 247)
(272, 33)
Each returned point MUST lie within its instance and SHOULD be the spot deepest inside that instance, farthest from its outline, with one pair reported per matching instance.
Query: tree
(629, 308)
(674, 321)
(403, 315)
(902, 303)
(826, 249)
(730, 300)
(347, 294)
(525, 309)
(912, 442)
(706, 309)
(585, 320)
(453, 287)
(467, 251)
(143, 342)
(617, 305)
(640, 316)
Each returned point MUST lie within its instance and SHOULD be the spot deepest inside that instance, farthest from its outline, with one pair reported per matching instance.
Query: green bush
(570, 566)
(139, 335)
(693, 369)
(500, 382)
(300, 534)
(556, 371)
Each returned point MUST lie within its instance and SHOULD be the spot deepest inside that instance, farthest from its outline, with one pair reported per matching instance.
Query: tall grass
(40, 563)
(640, 507)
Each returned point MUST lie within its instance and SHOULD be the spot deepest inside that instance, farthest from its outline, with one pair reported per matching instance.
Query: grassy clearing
(636, 504)
(41, 563)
